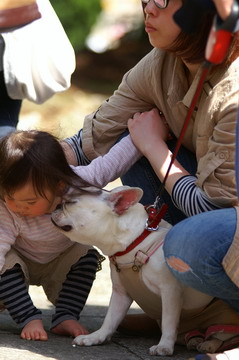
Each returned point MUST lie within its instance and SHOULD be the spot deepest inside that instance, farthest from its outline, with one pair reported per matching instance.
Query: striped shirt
(190, 198)
(76, 144)
(37, 238)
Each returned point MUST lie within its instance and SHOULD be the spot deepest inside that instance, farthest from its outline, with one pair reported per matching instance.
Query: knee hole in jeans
(177, 264)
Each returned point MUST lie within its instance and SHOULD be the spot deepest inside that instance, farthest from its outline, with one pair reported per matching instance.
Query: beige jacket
(159, 80)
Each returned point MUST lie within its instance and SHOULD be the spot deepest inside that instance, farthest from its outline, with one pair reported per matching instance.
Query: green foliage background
(77, 17)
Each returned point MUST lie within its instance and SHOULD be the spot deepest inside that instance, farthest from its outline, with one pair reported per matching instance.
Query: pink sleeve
(112, 165)
(8, 232)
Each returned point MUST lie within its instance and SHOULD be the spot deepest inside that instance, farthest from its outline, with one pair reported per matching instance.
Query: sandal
(229, 334)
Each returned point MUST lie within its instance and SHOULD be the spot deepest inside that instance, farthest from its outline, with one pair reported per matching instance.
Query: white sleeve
(8, 232)
(38, 58)
(109, 167)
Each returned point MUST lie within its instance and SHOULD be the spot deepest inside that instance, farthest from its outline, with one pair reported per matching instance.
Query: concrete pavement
(60, 348)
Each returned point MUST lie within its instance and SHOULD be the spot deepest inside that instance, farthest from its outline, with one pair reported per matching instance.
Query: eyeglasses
(162, 4)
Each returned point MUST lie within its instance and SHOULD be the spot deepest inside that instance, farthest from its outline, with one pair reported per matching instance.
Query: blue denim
(9, 110)
(201, 242)
(142, 175)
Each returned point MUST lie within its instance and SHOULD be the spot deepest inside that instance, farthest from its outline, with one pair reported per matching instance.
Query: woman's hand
(149, 133)
(148, 129)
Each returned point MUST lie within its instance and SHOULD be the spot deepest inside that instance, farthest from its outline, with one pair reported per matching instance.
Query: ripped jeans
(194, 249)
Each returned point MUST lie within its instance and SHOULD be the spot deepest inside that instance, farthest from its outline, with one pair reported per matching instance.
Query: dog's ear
(122, 198)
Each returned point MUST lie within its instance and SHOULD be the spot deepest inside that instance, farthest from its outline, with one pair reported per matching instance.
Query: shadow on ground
(60, 348)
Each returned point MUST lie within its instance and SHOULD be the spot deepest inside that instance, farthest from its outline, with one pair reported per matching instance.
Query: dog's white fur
(111, 221)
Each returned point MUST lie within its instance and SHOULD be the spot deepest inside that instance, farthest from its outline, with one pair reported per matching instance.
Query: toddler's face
(26, 202)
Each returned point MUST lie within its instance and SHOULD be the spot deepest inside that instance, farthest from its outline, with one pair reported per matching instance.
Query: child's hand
(148, 128)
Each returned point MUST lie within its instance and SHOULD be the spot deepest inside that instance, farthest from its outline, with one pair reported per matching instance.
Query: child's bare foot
(34, 331)
(70, 328)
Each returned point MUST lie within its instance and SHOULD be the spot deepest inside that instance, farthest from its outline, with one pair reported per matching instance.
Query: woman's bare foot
(70, 328)
(34, 331)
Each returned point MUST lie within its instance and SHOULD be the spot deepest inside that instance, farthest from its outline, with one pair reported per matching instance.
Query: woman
(165, 80)
(202, 177)
(210, 262)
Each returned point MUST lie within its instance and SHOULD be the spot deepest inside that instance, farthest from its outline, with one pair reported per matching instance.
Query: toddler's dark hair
(35, 156)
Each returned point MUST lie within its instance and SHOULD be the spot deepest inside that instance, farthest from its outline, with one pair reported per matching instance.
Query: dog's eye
(67, 202)
(66, 228)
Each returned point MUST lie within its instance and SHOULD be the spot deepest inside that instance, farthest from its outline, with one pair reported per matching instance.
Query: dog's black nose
(66, 228)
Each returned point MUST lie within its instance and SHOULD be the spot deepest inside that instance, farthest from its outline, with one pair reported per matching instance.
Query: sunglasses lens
(144, 3)
(161, 3)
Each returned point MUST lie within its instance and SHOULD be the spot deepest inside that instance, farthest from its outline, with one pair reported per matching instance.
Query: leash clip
(152, 212)
(155, 215)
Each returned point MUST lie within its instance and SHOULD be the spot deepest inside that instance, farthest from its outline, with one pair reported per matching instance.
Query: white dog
(111, 221)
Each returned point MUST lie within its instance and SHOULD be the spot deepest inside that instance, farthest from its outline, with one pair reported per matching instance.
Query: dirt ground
(62, 115)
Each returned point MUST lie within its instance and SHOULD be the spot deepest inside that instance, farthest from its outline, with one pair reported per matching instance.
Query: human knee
(177, 264)
(176, 258)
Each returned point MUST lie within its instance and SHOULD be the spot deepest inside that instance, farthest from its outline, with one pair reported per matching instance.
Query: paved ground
(60, 348)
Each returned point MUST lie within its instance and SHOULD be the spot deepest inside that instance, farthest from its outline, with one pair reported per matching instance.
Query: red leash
(205, 69)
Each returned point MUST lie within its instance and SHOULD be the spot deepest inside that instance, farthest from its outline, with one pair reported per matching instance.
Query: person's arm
(149, 134)
(189, 198)
(7, 232)
(109, 167)
(38, 58)
(18, 13)
(69, 153)
(72, 147)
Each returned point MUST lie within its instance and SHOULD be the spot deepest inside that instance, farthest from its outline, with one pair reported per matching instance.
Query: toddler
(34, 176)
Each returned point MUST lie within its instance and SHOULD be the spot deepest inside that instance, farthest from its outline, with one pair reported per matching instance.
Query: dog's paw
(89, 340)
(209, 346)
(82, 340)
(161, 350)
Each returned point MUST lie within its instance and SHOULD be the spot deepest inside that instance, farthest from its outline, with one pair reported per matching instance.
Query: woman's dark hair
(191, 47)
(35, 156)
